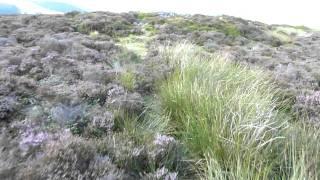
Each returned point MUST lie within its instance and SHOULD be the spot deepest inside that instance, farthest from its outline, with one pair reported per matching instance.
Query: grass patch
(281, 35)
(230, 29)
(228, 118)
(128, 80)
(138, 43)
(190, 25)
(294, 31)
(135, 43)
(125, 57)
(143, 15)
(304, 28)
(152, 18)
(286, 33)
(186, 24)
(149, 29)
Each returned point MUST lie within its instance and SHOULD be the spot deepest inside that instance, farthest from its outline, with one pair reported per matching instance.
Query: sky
(293, 12)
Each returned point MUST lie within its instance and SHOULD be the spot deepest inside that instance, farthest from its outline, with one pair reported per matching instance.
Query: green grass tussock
(128, 80)
(228, 117)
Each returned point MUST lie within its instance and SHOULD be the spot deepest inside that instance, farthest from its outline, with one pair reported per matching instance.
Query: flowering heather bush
(309, 107)
(163, 140)
(162, 173)
(33, 139)
(313, 99)
(72, 158)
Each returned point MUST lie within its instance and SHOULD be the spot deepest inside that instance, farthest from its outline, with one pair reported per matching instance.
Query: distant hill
(58, 6)
(37, 7)
(8, 9)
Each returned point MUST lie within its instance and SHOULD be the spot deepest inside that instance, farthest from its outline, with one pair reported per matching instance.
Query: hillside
(92, 95)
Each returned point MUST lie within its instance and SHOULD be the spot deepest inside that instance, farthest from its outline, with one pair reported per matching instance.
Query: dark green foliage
(229, 29)
(78, 127)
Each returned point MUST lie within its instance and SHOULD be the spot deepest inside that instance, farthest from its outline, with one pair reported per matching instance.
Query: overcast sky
(294, 12)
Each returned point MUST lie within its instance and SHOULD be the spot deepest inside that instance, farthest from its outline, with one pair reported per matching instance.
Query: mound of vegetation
(157, 96)
(229, 119)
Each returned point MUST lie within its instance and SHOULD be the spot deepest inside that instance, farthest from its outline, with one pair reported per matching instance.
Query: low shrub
(71, 159)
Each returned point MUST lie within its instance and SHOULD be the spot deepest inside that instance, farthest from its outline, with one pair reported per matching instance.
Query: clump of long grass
(228, 118)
